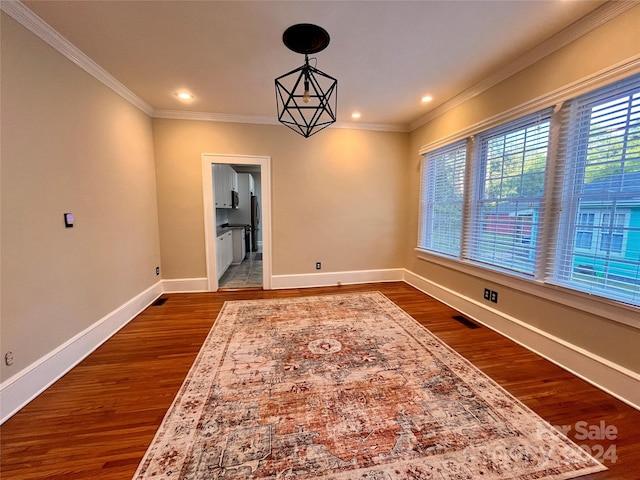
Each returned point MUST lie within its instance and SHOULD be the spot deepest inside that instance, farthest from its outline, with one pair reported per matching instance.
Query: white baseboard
(24, 386)
(307, 280)
(185, 285)
(614, 379)
(622, 383)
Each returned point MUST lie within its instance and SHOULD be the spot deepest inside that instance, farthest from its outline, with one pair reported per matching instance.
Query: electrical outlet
(157, 270)
(494, 296)
(487, 294)
(8, 358)
(318, 265)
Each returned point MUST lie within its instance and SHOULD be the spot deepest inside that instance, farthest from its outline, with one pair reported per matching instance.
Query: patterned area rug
(346, 387)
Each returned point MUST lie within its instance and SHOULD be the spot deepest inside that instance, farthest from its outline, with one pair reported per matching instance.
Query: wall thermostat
(68, 220)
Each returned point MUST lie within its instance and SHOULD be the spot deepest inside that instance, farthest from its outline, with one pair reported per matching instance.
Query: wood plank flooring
(98, 420)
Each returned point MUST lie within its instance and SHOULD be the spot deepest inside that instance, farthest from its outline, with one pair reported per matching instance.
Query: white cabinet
(246, 188)
(225, 180)
(221, 195)
(224, 253)
(234, 180)
(239, 245)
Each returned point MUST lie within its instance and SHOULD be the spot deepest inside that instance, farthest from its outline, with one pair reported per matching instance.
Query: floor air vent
(159, 302)
(465, 321)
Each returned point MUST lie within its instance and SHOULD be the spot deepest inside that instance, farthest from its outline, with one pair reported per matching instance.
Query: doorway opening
(244, 220)
(237, 213)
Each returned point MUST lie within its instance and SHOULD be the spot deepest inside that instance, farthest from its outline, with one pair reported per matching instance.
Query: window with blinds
(443, 176)
(506, 210)
(600, 219)
(575, 224)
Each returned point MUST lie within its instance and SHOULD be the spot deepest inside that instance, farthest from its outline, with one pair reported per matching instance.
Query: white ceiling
(385, 54)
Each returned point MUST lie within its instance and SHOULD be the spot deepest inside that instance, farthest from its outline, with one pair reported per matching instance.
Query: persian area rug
(346, 387)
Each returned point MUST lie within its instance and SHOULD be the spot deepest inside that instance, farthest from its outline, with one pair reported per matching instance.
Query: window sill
(610, 309)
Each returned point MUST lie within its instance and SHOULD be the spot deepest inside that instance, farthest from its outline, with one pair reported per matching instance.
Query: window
(509, 189)
(601, 195)
(443, 173)
(613, 233)
(598, 231)
(553, 197)
(584, 234)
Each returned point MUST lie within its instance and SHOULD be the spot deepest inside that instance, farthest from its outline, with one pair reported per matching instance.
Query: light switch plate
(68, 220)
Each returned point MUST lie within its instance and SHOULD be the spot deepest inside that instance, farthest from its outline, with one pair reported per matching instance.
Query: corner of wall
(18, 390)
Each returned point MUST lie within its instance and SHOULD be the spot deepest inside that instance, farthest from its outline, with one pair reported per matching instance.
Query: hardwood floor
(98, 420)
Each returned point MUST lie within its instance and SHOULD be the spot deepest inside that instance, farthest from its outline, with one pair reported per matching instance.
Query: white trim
(214, 117)
(45, 32)
(611, 74)
(604, 374)
(36, 25)
(24, 386)
(307, 280)
(208, 202)
(597, 18)
(258, 120)
(376, 127)
(264, 162)
(622, 383)
(32, 22)
(606, 308)
(184, 285)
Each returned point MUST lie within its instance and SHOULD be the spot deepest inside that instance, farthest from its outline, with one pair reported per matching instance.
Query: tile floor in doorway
(245, 275)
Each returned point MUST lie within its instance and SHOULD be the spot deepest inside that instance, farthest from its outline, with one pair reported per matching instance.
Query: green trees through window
(582, 231)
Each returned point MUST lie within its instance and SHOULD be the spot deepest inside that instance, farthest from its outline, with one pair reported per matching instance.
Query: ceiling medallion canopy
(306, 97)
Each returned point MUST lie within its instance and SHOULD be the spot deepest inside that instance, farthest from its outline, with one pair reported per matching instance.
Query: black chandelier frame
(306, 97)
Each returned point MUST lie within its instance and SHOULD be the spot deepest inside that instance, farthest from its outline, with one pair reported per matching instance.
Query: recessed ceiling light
(355, 115)
(184, 96)
(427, 99)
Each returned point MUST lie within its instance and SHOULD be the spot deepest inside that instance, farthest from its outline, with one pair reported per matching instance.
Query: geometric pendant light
(306, 97)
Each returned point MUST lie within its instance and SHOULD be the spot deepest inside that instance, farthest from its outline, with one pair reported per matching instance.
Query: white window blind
(569, 217)
(508, 199)
(443, 177)
(599, 230)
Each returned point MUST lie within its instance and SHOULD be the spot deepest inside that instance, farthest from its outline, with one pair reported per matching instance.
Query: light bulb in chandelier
(305, 96)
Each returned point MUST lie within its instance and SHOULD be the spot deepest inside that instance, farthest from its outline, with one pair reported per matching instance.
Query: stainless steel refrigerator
(255, 223)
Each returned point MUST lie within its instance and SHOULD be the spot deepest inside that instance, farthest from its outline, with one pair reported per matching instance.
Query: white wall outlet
(8, 358)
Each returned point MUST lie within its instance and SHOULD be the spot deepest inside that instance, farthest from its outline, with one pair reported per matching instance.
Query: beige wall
(347, 198)
(614, 42)
(338, 196)
(69, 144)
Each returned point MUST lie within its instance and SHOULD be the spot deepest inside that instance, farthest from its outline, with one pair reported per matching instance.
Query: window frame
(478, 198)
(550, 236)
(586, 118)
(427, 217)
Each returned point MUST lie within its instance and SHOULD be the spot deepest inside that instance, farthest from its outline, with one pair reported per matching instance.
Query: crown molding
(581, 27)
(617, 72)
(230, 118)
(378, 127)
(213, 117)
(32, 22)
(19, 12)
